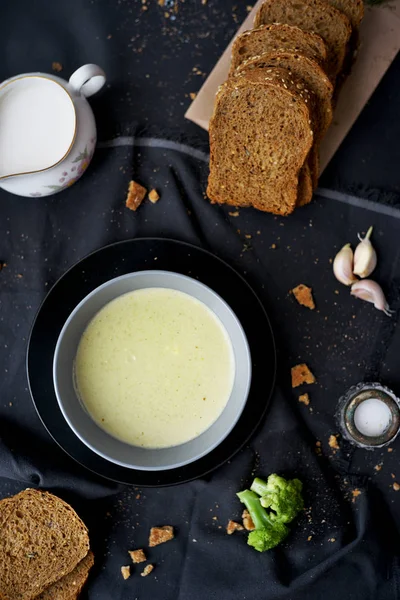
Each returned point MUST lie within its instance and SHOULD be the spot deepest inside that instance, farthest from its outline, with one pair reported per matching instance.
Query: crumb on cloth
(126, 572)
(301, 374)
(233, 526)
(154, 196)
(136, 195)
(333, 442)
(137, 556)
(247, 520)
(303, 295)
(396, 486)
(56, 66)
(147, 570)
(355, 493)
(160, 535)
(304, 399)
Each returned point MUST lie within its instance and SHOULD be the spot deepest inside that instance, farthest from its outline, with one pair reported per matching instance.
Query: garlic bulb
(364, 256)
(343, 266)
(370, 291)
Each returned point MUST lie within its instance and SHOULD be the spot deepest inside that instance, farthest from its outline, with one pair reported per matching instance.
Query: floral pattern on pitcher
(68, 178)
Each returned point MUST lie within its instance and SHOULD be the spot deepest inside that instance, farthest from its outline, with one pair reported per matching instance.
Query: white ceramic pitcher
(47, 130)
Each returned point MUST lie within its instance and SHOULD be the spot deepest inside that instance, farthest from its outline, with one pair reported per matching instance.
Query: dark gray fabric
(344, 341)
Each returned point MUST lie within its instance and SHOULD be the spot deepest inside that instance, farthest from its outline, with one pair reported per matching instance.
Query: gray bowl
(102, 442)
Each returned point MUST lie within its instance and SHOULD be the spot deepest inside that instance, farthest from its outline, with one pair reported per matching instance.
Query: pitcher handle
(87, 80)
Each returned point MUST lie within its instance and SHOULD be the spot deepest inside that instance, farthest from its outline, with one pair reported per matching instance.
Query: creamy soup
(155, 368)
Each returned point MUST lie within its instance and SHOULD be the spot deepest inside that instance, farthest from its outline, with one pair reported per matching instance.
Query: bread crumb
(234, 214)
(137, 556)
(247, 520)
(301, 374)
(2, 265)
(396, 486)
(126, 572)
(160, 535)
(147, 570)
(355, 494)
(57, 67)
(233, 526)
(333, 443)
(273, 246)
(303, 295)
(309, 538)
(389, 449)
(393, 475)
(161, 2)
(248, 236)
(318, 448)
(332, 540)
(154, 196)
(136, 195)
(305, 399)
(378, 467)
(192, 95)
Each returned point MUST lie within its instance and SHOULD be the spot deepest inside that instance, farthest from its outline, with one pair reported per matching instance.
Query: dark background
(153, 62)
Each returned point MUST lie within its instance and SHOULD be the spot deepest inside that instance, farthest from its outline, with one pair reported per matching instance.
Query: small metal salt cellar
(369, 415)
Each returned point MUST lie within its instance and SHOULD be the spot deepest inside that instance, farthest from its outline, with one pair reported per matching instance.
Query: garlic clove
(370, 291)
(364, 256)
(343, 266)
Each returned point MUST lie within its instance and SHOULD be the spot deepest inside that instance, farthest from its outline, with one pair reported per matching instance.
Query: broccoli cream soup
(155, 368)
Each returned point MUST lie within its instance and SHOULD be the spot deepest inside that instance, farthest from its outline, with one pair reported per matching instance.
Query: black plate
(138, 255)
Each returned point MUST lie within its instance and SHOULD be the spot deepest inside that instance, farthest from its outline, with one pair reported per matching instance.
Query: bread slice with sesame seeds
(317, 17)
(277, 37)
(313, 79)
(260, 136)
(42, 539)
(310, 77)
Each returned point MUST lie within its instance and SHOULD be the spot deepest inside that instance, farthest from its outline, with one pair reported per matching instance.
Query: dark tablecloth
(339, 547)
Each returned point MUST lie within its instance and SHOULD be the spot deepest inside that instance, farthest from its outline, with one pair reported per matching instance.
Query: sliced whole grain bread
(260, 136)
(41, 540)
(316, 82)
(305, 187)
(315, 16)
(353, 9)
(6, 506)
(277, 37)
(313, 162)
(312, 78)
(70, 586)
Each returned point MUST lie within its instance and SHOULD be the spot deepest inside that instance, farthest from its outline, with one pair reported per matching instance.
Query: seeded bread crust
(277, 37)
(317, 17)
(313, 79)
(260, 136)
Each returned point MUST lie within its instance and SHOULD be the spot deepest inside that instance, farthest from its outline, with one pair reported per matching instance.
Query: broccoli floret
(267, 533)
(282, 496)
